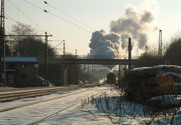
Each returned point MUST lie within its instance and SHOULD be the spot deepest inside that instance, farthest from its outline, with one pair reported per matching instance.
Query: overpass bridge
(68, 61)
(98, 61)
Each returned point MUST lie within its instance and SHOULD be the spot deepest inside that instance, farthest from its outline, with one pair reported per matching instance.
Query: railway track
(18, 94)
(42, 101)
(53, 114)
(42, 109)
(59, 111)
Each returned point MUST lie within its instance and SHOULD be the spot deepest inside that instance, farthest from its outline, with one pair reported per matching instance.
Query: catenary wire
(65, 14)
(13, 20)
(27, 17)
(58, 17)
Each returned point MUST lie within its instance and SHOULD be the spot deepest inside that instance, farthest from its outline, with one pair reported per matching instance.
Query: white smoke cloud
(104, 45)
(137, 23)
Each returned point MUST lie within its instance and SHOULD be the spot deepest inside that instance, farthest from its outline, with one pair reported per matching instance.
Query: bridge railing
(94, 57)
(60, 57)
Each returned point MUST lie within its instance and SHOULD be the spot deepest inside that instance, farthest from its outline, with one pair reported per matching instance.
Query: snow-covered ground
(30, 114)
(94, 106)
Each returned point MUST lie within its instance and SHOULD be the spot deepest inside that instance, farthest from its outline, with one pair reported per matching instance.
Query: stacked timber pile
(146, 82)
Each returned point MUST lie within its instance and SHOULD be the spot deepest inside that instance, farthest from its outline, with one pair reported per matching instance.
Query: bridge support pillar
(65, 74)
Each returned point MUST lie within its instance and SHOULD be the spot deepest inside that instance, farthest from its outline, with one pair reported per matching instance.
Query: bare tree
(149, 59)
(28, 45)
(173, 52)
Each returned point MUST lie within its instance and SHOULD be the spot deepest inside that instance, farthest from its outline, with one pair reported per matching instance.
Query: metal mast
(45, 52)
(46, 58)
(63, 48)
(129, 53)
(2, 45)
(160, 44)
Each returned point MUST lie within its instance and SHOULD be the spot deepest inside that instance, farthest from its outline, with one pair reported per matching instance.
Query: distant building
(21, 71)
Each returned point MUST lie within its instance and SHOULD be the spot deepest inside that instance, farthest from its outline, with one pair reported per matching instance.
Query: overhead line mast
(45, 52)
(2, 46)
(160, 44)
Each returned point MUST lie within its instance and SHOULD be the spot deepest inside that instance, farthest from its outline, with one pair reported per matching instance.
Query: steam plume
(136, 23)
(104, 45)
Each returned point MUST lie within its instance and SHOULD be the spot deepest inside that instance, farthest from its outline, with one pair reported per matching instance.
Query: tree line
(171, 55)
(26, 44)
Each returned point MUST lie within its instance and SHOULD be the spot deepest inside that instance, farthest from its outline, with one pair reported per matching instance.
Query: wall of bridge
(66, 62)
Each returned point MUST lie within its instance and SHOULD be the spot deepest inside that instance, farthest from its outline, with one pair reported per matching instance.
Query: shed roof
(20, 59)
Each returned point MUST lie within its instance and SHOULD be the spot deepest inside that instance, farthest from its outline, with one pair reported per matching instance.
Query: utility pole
(129, 53)
(75, 53)
(46, 57)
(63, 48)
(45, 52)
(160, 44)
(59, 43)
(2, 46)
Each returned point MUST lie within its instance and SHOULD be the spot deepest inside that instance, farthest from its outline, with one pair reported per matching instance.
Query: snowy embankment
(108, 108)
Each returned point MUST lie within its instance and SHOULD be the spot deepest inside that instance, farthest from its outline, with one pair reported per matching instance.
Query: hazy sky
(75, 20)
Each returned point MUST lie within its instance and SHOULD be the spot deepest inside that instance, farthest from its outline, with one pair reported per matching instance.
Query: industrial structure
(160, 44)
(2, 46)
(129, 53)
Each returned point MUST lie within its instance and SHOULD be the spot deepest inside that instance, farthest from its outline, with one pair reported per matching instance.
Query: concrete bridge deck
(96, 61)
(68, 61)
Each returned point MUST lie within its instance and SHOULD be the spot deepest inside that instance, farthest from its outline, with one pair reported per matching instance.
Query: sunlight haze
(75, 20)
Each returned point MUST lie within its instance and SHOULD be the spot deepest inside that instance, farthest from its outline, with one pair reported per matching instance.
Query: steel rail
(56, 113)
(42, 101)
(9, 96)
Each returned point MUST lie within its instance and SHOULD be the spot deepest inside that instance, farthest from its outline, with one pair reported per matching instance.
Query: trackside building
(21, 71)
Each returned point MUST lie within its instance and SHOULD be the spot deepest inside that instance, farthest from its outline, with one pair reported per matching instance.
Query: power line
(26, 15)
(13, 20)
(58, 16)
(34, 5)
(10, 18)
(70, 22)
(67, 15)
